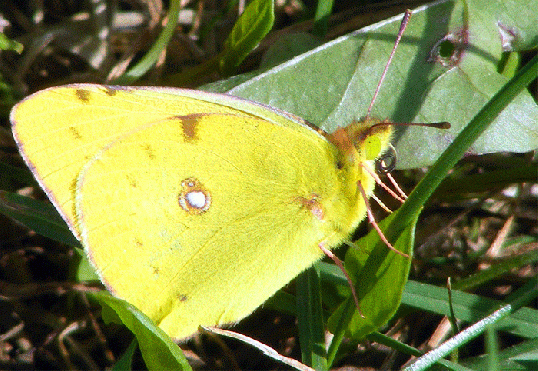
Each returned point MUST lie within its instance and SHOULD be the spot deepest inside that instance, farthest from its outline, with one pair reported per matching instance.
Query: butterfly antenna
(403, 25)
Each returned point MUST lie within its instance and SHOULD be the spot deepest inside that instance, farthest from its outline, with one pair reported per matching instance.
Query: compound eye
(387, 161)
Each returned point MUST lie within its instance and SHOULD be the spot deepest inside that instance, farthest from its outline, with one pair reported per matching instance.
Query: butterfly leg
(340, 265)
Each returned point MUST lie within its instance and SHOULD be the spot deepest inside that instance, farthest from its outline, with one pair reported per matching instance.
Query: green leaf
(151, 57)
(380, 276)
(310, 319)
(323, 12)
(417, 87)
(522, 356)
(84, 270)
(158, 350)
(39, 216)
(437, 354)
(251, 27)
(15, 174)
(470, 307)
(8, 44)
(500, 319)
(126, 360)
(289, 45)
(500, 268)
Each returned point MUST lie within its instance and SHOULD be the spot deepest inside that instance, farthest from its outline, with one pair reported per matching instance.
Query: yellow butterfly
(195, 207)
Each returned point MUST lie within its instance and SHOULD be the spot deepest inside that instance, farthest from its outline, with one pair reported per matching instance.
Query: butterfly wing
(195, 207)
(216, 261)
(60, 129)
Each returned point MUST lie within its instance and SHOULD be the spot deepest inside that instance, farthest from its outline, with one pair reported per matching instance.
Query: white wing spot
(194, 198)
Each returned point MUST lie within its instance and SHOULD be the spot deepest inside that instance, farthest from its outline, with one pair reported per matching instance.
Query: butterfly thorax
(357, 145)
